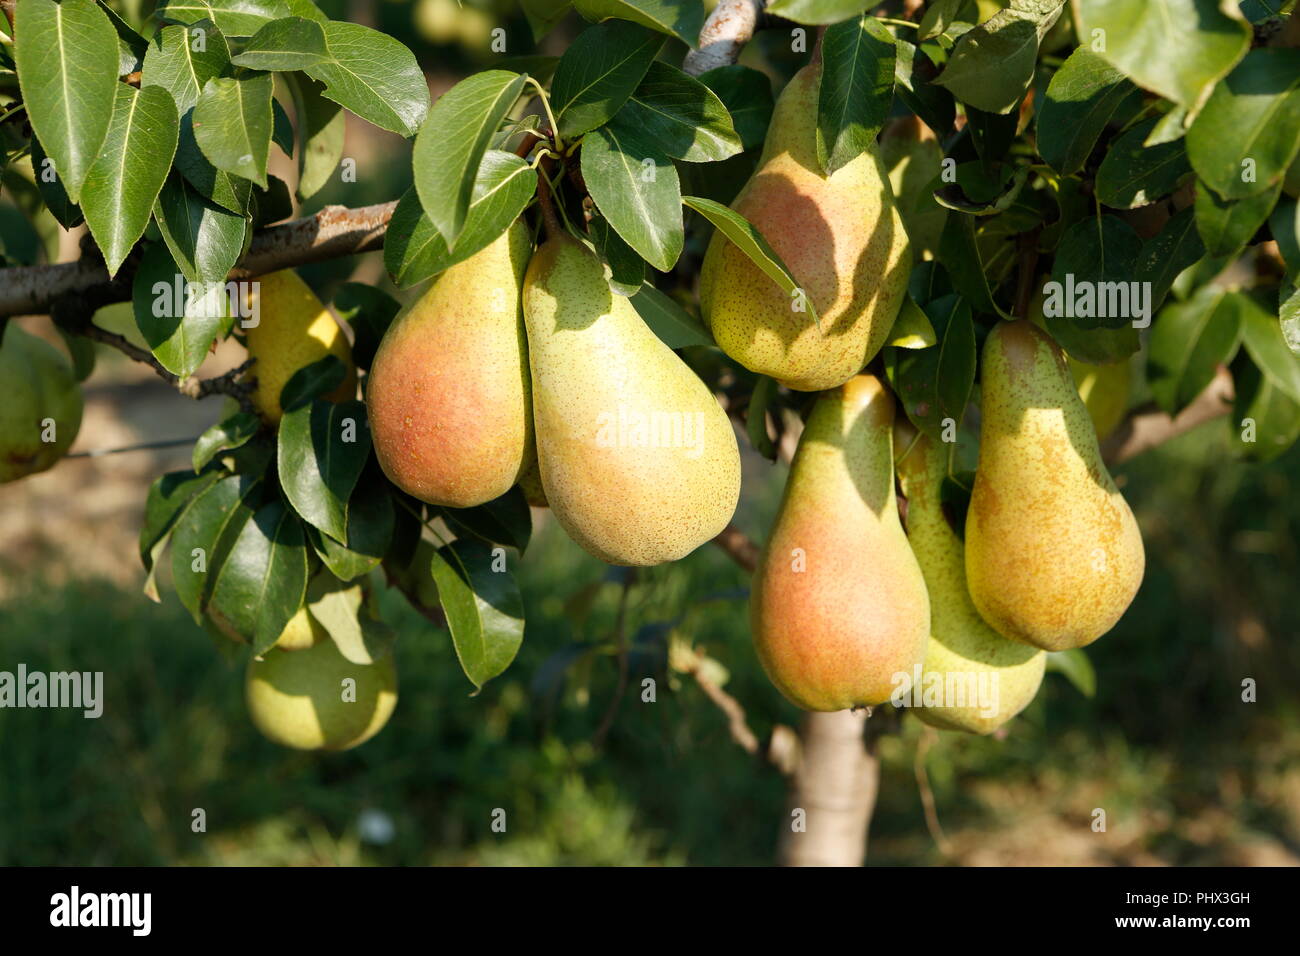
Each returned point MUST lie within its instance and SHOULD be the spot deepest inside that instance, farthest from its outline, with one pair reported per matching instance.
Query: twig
(728, 28)
(927, 739)
(620, 634)
(1147, 426)
(737, 725)
(739, 547)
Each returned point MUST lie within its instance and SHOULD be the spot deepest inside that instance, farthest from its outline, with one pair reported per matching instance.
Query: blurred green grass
(1185, 771)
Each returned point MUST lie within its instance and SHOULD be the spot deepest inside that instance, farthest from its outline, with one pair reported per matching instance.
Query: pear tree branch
(728, 28)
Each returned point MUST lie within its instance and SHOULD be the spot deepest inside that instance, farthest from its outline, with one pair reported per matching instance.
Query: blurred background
(1187, 773)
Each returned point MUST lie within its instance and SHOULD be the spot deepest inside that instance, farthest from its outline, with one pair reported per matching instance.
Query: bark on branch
(728, 28)
(1147, 426)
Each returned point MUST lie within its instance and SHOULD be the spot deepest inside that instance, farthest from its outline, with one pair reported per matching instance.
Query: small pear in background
(448, 392)
(41, 409)
(838, 607)
(1105, 391)
(294, 329)
(297, 698)
(841, 238)
(995, 678)
(638, 461)
(1053, 553)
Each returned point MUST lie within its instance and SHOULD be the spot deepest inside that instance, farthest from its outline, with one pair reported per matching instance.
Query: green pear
(1105, 391)
(42, 405)
(842, 239)
(838, 608)
(1053, 553)
(316, 699)
(639, 462)
(448, 391)
(973, 678)
(911, 153)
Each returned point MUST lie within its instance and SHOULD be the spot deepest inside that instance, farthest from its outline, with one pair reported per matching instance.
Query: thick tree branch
(1147, 426)
(728, 28)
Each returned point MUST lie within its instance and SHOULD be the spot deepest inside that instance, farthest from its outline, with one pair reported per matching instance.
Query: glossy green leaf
(236, 18)
(1134, 174)
(263, 582)
(934, 384)
(682, 115)
(1094, 266)
(675, 327)
(1227, 225)
(179, 322)
(1189, 340)
(293, 43)
(233, 124)
(1075, 667)
(503, 520)
(225, 435)
(1175, 247)
(203, 536)
(168, 497)
(483, 607)
(636, 189)
(371, 524)
(598, 72)
(205, 240)
(914, 75)
(856, 90)
(1262, 336)
(339, 607)
(1081, 98)
(992, 65)
(321, 127)
(322, 449)
(816, 12)
(369, 311)
(747, 95)
(374, 76)
(680, 18)
(627, 269)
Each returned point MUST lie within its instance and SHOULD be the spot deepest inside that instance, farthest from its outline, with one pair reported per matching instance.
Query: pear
(300, 699)
(838, 608)
(42, 405)
(841, 237)
(1053, 553)
(911, 153)
(1105, 392)
(302, 631)
(973, 678)
(294, 329)
(638, 461)
(448, 391)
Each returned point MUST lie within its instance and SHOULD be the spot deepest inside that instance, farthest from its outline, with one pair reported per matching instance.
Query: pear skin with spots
(842, 239)
(638, 461)
(838, 608)
(1053, 553)
(979, 679)
(448, 393)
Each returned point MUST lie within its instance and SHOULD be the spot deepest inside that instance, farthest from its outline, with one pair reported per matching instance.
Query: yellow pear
(1053, 553)
(838, 608)
(40, 412)
(973, 678)
(1105, 392)
(294, 329)
(302, 631)
(638, 460)
(448, 392)
(316, 699)
(842, 239)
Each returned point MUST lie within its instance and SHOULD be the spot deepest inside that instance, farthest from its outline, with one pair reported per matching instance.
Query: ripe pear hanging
(838, 607)
(1053, 553)
(448, 392)
(842, 239)
(42, 405)
(980, 679)
(638, 460)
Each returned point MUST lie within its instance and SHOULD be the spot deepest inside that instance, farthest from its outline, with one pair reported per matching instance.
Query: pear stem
(547, 203)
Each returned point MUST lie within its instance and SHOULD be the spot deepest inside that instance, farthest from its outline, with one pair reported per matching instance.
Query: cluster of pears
(845, 602)
(521, 366)
(42, 404)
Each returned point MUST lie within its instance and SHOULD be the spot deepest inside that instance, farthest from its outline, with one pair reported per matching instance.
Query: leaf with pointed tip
(179, 327)
(680, 18)
(598, 72)
(121, 187)
(205, 240)
(322, 449)
(203, 535)
(321, 127)
(293, 43)
(225, 435)
(236, 18)
(484, 611)
(685, 117)
(857, 90)
(635, 187)
(1081, 98)
(1188, 342)
(233, 123)
(374, 76)
(263, 581)
(675, 327)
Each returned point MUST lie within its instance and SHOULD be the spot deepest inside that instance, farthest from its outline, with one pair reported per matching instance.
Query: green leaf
(314, 380)
(1081, 98)
(636, 189)
(680, 18)
(992, 65)
(321, 127)
(261, 585)
(1094, 253)
(681, 114)
(914, 75)
(1249, 131)
(293, 43)
(450, 147)
(504, 520)
(627, 269)
(414, 250)
(1262, 336)
(912, 329)
(121, 187)
(598, 72)
(960, 252)
(1284, 224)
(675, 327)
(1265, 421)
(67, 71)
(1177, 48)
(856, 91)
(169, 495)
(816, 12)
(131, 46)
(1075, 667)
(340, 609)
(370, 311)
(934, 384)
(756, 417)
(544, 15)
(1189, 340)
(225, 435)
(483, 608)
(233, 124)
(178, 322)
(741, 232)
(1175, 247)
(205, 240)
(203, 534)
(747, 95)
(1227, 225)
(371, 522)
(236, 18)
(322, 450)
(63, 209)
(1134, 174)
(1095, 346)
(374, 76)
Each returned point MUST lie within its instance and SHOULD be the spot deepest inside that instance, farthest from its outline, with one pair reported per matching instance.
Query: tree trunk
(832, 793)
